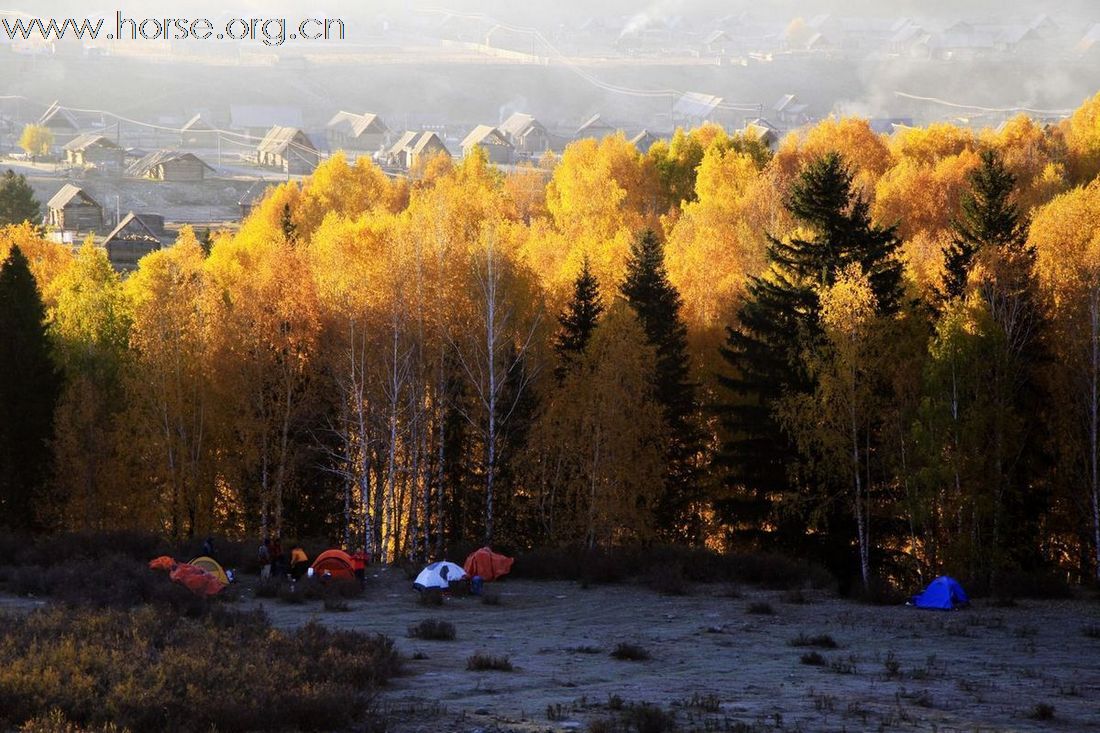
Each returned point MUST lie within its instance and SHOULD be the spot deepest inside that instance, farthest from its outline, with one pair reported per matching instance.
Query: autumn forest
(878, 352)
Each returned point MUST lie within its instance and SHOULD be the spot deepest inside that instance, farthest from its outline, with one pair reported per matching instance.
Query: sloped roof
(279, 140)
(485, 135)
(66, 194)
(197, 124)
(595, 122)
(358, 124)
(132, 228)
(425, 139)
(57, 116)
(716, 36)
(88, 140)
(696, 104)
(518, 124)
(644, 140)
(404, 142)
(159, 157)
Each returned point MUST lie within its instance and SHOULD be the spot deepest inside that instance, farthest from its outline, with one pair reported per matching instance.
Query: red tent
(192, 577)
(336, 563)
(488, 564)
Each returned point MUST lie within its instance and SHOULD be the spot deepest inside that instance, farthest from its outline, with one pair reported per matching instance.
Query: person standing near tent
(299, 562)
(263, 554)
(359, 563)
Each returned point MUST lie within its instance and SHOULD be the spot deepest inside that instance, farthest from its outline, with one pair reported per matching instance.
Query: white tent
(439, 575)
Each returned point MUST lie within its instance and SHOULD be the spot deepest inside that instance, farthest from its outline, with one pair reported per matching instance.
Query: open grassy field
(725, 658)
(550, 655)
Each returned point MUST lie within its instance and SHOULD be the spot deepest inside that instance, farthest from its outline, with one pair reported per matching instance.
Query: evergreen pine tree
(29, 386)
(578, 320)
(989, 218)
(778, 322)
(657, 304)
(290, 229)
(17, 201)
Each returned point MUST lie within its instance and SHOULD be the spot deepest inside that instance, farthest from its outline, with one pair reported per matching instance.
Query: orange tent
(336, 563)
(192, 577)
(488, 564)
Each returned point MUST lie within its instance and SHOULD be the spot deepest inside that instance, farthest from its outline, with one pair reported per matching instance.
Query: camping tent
(192, 577)
(211, 566)
(336, 563)
(439, 575)
(488, 564)
(944, 593)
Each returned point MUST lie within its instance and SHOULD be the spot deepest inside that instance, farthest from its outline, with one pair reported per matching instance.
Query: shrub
(821, 641)
(430, 597)
(650, 719)
(630, 652)
(1042, 711)
(268, 588)
(813, 659)
(488, 663)
(432, 630)
(761, 608)
(1091, 632)
(336, 604)
(96, 667)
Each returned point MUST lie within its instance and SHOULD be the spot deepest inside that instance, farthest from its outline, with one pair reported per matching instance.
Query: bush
(761, 608)
(630, 652)
(130, 668)
(430, 597)
(1042, 711)
(433, 630)
(813, 659)
(821, 641)
(487, 663)
(650, 719)
(292, 593)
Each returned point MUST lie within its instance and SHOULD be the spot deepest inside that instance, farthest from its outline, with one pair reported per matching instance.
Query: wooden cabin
(365, 133)
(496, 146)
(413, 147)
(135, 236)
(170, 165)
(289, 150)
(93, 150)
(198, 133)
(527, 135)
(594, 127)
(72, 209)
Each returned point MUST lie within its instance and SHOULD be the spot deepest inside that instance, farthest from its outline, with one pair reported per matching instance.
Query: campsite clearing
(896, 668)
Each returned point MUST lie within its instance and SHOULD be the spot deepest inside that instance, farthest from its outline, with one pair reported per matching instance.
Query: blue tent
(943, 592)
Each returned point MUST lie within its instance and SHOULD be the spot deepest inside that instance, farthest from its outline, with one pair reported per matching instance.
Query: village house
(527, 135)
(170, 165)
(289, 150)
(492, 141)
(198, 133)
(761, 131)
(643, 141)
(354, 132)
(413, 147)
(790, 112)
(135, 236)
(694, 108)
(93, 150)
(72, 209)
(60, 122)
(594, 127)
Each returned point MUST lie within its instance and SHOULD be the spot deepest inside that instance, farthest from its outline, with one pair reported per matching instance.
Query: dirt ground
(720, 667)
